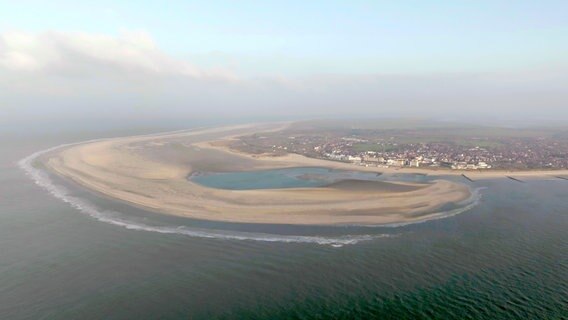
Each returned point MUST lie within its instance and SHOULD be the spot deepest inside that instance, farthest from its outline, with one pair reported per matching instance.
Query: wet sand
(151, 172)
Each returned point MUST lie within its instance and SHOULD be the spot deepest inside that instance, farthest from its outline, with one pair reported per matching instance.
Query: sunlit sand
(152, 171)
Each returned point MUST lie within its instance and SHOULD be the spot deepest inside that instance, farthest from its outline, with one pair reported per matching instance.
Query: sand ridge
(151, 172)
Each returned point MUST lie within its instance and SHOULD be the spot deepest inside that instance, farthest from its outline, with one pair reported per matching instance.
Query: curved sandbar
(151, 171)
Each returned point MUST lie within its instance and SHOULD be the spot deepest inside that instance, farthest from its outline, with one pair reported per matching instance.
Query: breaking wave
(115, 218)
(112, 217)
(463, 206)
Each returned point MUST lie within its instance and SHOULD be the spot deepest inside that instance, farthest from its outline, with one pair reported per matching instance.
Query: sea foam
(43, 180)
(462, 206)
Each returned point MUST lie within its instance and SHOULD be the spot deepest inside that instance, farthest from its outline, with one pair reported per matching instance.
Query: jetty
(515, 179)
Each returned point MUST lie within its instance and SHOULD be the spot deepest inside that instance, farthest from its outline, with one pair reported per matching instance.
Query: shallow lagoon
(298, 177)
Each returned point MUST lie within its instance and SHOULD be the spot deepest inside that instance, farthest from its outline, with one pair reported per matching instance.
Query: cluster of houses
(470, 166)
(371, 159)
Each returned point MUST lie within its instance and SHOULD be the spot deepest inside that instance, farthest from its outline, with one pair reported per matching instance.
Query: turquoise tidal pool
(298, 177)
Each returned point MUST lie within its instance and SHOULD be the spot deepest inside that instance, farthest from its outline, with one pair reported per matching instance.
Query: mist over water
(90, 258)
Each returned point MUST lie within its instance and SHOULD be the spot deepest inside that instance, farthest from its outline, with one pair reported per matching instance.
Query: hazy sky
(183, 59)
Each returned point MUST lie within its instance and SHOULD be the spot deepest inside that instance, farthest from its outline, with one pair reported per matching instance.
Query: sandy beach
(151, 172)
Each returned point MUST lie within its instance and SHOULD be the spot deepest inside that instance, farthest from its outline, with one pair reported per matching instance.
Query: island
(153, 172)
(157, 172)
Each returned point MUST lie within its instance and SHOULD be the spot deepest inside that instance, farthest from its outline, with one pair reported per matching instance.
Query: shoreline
(151, 172)
(316, 162)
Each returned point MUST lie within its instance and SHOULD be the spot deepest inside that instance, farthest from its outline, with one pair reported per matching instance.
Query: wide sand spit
(151, 172)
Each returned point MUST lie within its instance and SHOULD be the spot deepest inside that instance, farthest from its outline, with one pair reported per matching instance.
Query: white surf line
(42, 179)
(467, 204)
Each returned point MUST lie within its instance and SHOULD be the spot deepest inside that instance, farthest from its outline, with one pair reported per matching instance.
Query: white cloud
(84, 54)
(91, 74)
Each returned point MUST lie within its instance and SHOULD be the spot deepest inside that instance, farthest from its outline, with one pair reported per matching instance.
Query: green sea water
(91, 258)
